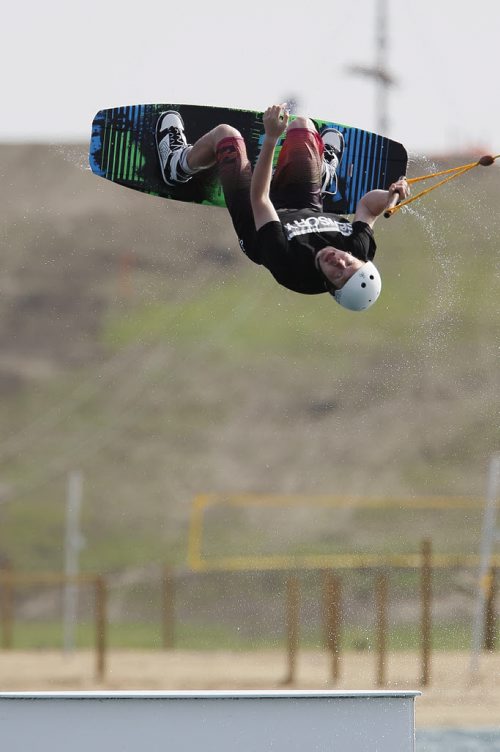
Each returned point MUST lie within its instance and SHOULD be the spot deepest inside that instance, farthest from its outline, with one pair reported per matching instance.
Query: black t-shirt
(288, 248)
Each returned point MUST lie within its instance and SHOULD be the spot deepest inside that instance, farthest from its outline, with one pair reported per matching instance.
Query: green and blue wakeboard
(123, 150)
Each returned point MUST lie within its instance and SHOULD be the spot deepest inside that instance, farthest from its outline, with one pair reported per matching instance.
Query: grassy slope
(197, 373)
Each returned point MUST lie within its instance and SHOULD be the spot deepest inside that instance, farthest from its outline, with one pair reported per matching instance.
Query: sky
(63, 61)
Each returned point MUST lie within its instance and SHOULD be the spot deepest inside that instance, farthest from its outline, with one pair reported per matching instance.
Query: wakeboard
(123, 150)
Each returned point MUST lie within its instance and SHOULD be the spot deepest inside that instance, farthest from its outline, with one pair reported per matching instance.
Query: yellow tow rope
(452, 173)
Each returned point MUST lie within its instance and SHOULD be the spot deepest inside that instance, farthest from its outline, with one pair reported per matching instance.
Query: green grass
(435, 324)
(135, 636)
(251, 315)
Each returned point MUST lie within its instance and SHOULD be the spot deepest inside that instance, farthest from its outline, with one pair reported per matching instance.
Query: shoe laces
(175, 137)
(330, 153)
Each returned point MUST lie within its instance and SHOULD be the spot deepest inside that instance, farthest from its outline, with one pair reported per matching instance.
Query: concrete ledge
(270, 721)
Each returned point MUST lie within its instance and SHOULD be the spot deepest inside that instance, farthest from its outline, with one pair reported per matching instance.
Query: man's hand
(374, 203)
(400, 187)
(275, 120)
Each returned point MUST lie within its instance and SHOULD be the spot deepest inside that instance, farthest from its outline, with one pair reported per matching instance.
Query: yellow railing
(199, 563)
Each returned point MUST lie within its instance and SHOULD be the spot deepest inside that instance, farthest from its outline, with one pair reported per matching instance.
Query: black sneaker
(333, 141)
(171, 143)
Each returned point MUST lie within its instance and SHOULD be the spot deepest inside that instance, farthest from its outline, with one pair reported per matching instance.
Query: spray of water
(441, 229)
(74, 154)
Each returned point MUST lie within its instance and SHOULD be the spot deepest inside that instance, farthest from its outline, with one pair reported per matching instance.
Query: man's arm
(275, 123)
(374, 203)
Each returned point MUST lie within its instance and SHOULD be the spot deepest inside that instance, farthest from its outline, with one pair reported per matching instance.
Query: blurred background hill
(139, 346)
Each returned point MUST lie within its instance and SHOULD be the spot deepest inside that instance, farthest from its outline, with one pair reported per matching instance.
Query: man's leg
(179, 161)
(235, 174)
(224, 146)
(296, 183)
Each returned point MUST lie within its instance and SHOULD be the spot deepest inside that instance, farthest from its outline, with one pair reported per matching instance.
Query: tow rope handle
(395, 204)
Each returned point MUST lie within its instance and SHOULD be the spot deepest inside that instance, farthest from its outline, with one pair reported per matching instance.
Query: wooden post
(333, 621)
(381, 597)
(490, 624)
(168, 595)
(7, 606)
(100, 624)
(426, 619)
(292, 626)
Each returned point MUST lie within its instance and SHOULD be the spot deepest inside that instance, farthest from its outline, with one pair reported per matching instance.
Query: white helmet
(361, 290)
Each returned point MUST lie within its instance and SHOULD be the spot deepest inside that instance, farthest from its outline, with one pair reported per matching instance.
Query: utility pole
(379, 72)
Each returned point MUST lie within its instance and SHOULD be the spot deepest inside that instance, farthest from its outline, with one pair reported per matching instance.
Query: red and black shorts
(235, 175)
(296, 182)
